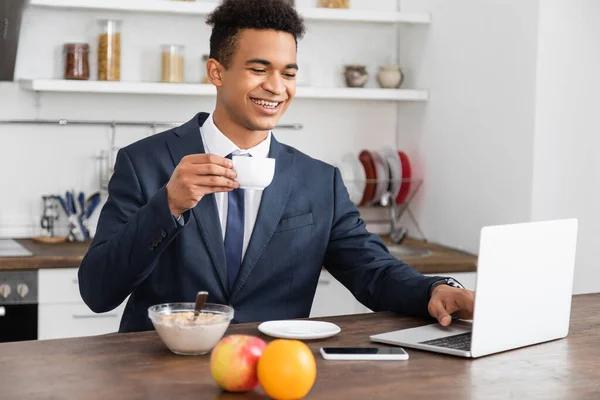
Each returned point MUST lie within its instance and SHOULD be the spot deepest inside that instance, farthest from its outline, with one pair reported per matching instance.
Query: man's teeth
(264, 103)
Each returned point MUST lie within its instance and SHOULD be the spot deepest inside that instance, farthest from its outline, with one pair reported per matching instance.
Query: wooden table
(138, 366)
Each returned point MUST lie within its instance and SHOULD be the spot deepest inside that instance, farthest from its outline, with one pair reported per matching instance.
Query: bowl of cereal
(187, 334)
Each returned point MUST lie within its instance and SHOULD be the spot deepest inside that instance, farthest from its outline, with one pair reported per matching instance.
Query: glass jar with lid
(76, 64)
(172, 63)
(109, 50)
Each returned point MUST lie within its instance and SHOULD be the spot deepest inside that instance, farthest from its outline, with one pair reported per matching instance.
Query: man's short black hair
(234, 15)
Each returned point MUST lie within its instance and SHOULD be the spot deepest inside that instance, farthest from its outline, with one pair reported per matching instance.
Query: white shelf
(74, 86)
(203, 8)
(362, 94)
(190, 89)
(350, 15)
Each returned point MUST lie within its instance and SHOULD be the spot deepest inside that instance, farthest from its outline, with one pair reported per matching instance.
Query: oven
(18, 305)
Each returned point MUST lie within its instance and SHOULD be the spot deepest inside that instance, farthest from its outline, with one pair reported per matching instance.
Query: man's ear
(214, 72)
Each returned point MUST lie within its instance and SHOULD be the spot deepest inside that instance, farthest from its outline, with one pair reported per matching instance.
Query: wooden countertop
(62, 255)
(69, 255)
(138, 365)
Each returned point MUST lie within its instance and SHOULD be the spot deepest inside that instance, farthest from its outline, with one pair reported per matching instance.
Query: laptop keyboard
(461, 341)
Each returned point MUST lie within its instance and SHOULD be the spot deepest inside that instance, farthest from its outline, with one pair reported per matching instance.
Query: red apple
(234, 360)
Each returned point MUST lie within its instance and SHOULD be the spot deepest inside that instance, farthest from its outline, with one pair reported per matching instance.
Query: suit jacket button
(155, 243)
(163, 233)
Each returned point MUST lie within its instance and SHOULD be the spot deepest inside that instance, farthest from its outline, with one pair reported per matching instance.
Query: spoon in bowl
(200, 300)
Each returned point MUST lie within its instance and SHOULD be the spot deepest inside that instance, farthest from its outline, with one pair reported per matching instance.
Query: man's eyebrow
(258, 61)
(268, 63)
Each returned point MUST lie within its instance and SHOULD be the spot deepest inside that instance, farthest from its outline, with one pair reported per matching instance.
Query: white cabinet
(58, 286)
(332, 298)
(72, 320)
(62, 312)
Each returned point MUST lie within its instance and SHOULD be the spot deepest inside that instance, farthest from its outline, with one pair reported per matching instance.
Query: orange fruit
(287, 369)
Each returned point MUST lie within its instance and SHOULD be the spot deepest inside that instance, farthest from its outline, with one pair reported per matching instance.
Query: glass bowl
(186, 335)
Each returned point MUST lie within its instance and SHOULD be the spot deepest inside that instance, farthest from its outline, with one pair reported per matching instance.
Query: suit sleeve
(132, 232)
(361, 262)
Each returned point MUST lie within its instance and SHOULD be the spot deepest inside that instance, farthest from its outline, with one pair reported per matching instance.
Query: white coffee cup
(254, 173)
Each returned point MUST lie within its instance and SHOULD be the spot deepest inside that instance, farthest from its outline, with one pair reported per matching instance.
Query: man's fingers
(214, 181)
(214, 169)
(209, 159)
(438, 311)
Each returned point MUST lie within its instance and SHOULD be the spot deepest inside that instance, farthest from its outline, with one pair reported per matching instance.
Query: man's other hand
(447, 301)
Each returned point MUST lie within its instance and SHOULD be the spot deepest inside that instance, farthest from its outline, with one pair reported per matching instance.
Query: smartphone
(364, 353)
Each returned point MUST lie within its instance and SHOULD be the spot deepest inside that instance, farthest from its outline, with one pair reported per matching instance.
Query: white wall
(473, 142)
(37, 160)
(567, 168)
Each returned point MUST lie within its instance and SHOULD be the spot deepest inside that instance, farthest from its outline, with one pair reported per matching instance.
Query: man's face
(260, 82)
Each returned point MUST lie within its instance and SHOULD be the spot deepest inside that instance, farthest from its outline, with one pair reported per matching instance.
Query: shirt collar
(215, 142)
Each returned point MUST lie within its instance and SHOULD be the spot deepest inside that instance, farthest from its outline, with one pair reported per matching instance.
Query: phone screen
(364, 350)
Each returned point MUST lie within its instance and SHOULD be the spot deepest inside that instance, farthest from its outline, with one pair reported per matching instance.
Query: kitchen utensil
(49, 240)
(406, 176)
(254, 173)
(395, 167)
(91, 204)
(75, 224)
(353, 175)
(366, 159)
(383, 176)
(200, 301)
(70, 202)
(301, 330)
(356, 76)
(390, 76)
(185, 335)
(49, 215)
(82, 208)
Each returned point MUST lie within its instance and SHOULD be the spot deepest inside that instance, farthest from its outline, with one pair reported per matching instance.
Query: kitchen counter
(69, 255)
(138, 365)
(61, 255)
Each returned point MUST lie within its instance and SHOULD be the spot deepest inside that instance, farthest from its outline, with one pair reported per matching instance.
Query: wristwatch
(446, 281)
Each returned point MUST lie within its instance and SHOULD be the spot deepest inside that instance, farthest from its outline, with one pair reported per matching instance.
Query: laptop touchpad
(428, 332)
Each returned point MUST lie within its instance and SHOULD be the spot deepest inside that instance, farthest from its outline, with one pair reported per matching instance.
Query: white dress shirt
(215, 142)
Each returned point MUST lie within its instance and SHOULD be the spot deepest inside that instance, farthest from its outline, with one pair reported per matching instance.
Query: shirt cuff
(183, 218)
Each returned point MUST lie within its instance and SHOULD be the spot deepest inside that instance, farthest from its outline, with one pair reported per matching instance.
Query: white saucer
(290, 329)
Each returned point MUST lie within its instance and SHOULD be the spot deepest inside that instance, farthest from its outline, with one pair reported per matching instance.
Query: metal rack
(114, 124)
(396, 211)
(106, 157)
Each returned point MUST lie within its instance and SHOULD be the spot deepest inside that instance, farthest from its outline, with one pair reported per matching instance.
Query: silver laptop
(523, 293)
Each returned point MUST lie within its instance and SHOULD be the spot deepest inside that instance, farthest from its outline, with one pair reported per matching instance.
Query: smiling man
(176, 221)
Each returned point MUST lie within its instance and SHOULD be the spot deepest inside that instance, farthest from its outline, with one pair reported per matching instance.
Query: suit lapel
(272, 206)
(189, 141)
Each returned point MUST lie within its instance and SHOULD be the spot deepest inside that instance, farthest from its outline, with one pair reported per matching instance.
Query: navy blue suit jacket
(306, 221)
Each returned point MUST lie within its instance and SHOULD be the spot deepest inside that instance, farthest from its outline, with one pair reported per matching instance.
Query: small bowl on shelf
(184, 333)
(355, 75)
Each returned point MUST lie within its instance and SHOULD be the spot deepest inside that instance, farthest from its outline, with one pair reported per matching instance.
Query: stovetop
(11, 248)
